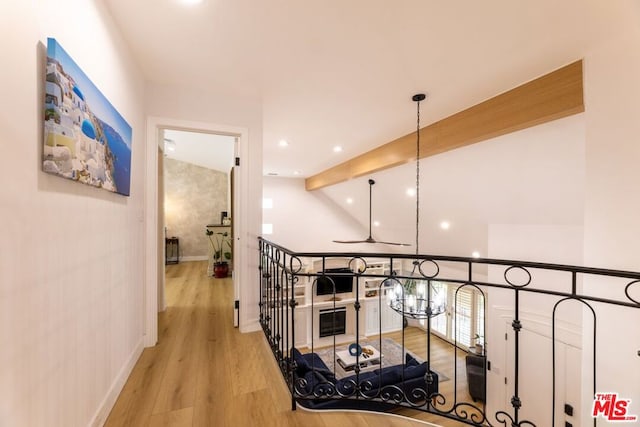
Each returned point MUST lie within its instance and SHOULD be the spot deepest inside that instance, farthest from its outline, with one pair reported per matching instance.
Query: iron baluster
(517, 326)
(279, 326)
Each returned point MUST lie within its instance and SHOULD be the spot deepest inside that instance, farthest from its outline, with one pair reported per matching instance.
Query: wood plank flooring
(204, 372)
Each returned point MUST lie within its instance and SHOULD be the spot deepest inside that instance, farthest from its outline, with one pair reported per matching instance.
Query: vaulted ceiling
(206, 150)
(342, 72)
(332, 72)
(535, 176)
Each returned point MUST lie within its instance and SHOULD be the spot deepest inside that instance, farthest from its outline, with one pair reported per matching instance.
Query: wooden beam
(550, 97)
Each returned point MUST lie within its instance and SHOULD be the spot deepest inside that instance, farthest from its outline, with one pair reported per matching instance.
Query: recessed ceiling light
(445, 225)
(191, 2)
(337, 149)
(349, 200)
(283, 143)
(411, 192)
(376, 223)
(296, 172)
(475, 254)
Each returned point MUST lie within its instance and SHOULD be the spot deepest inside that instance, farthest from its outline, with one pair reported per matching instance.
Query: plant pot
(220, 269)
(479, 348)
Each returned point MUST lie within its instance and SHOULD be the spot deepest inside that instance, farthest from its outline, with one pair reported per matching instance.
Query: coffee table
(367, 362)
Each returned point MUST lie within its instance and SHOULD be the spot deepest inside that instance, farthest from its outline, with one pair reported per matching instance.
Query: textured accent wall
(194, 197)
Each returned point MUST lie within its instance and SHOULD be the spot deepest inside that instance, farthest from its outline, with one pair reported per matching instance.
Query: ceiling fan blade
(394, 243)
(372, 241)
(368, 239)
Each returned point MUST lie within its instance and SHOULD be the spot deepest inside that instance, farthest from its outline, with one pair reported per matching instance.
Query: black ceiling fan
(371, 239)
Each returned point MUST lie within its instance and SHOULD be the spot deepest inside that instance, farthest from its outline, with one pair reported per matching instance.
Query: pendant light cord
(417, 98)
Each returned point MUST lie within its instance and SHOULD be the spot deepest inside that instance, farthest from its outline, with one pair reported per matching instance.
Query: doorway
(157, 130)
(196, 175)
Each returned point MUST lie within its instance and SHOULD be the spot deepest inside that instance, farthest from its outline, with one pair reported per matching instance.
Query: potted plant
(220, 252)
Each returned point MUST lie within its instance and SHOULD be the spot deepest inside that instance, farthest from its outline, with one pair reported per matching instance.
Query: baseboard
(250, 326)
(106, 406)
(194, 258)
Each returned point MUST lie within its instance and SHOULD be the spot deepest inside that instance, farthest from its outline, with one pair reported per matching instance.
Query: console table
(171, 250)
(476, 375)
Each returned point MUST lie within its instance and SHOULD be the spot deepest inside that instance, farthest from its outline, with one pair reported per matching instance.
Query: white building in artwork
(74, 145)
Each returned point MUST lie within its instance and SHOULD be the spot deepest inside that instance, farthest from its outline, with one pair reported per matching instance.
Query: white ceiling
(342, 72)
(202, 149)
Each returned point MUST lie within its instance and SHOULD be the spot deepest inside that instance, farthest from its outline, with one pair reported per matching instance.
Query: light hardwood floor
(204, 372)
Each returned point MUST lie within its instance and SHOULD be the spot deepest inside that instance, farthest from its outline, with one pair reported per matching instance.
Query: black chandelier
(415, 297)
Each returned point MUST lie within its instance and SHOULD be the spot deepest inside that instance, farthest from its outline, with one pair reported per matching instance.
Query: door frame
(155, 128)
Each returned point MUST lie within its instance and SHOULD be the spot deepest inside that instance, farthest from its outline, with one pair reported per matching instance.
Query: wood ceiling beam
(550, 97)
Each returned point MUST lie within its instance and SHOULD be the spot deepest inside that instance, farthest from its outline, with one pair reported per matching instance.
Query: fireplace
(333, 321)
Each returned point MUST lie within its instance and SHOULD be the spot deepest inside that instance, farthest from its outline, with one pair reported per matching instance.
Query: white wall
(198, 106)
(307, 221)
(612, 225)
(71, 269)
(560, 244)
(611, 232)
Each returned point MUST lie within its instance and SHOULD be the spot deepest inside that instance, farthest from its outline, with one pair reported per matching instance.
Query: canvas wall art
(85, 138)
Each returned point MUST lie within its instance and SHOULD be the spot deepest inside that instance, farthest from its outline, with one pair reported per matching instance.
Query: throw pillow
(415, 371)
(409, 360)
(302, 366)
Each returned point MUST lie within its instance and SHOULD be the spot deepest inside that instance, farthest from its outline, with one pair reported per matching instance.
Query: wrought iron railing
(317, 376)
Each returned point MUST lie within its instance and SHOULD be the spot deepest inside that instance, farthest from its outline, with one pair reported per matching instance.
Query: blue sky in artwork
(96, 101)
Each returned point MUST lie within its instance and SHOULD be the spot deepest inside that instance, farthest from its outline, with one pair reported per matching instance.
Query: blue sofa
(316, 387)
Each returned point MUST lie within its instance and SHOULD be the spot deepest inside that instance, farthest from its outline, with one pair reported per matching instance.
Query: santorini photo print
(85, 138)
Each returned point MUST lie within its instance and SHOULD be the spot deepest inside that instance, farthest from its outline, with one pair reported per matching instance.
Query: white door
(535, 387)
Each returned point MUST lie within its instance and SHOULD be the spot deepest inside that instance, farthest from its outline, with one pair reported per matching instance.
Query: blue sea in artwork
(122, 158)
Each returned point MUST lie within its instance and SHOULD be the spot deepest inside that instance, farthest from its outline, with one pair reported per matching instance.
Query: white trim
(252, 325)
(101, 415)
(243, 237)
(151, 237)
(154, 124)
(194, 258)
(540, 323)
